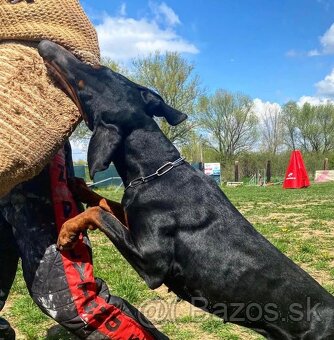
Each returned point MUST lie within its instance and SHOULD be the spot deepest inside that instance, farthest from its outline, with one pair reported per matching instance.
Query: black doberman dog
(178, 227)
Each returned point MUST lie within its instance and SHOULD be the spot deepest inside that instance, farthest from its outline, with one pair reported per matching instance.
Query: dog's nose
(63, 66)
(60, 59)
(45, 48)
(52, 52)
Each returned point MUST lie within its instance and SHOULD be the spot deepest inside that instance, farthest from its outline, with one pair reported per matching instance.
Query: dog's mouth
(65, 85)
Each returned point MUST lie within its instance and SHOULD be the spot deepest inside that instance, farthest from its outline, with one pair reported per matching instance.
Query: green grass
(113, 268)
(299, 222)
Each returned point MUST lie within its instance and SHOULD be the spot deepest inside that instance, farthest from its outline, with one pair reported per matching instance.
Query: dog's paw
(67, 238)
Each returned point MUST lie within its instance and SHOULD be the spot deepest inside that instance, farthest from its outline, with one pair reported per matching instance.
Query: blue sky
(271, 50)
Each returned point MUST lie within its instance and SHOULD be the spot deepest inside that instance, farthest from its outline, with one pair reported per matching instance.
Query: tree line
(224, 126)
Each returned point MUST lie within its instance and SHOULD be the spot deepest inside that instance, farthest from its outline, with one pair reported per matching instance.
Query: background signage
(212, 169)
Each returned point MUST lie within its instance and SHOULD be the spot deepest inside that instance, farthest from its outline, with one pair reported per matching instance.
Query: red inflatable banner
(296, 175)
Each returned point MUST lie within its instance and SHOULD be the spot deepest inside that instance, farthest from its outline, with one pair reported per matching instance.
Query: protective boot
(6, 331)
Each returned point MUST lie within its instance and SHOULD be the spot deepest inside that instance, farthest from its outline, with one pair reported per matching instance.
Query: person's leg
(8, 259)
(127, 308)
(8, 266)
(6, 331)
(62, 284)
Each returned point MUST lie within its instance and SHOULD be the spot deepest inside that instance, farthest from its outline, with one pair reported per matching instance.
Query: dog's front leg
(82, 193)
(72, 228)
(99, 218)
(91, 219)
(150, 262)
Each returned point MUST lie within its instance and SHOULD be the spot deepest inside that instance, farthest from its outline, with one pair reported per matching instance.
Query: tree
(196, 149)
(193, 147)
(326, 118)
(272, 129)
(316, 125)
(310, 127)
(290, 113)
(230, 123)
(173, 78)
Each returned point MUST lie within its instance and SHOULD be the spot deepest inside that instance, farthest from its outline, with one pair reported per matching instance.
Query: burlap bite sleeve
(35, 116)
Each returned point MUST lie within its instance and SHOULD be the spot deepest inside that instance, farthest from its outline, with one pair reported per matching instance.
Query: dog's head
(111, 104)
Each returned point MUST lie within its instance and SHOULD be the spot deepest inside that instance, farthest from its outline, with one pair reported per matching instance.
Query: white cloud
(324, 94)
(313, 100)
(325, 87)
(166, 13)
(292, 53)
(122, 38)
(327, 40)
(313, 53)
(261, 108)
(326, 43)
(122, 10)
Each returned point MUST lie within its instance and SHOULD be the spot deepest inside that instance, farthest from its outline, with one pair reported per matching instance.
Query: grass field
(299, 222)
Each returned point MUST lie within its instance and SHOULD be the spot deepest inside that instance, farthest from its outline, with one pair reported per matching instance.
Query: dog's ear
(173, 117)
(102, 147)
(155, 106)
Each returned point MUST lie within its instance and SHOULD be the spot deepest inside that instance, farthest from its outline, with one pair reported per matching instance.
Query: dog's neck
(142, 153)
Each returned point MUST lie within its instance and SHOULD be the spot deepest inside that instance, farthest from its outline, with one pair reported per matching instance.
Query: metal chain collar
(160, 172)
